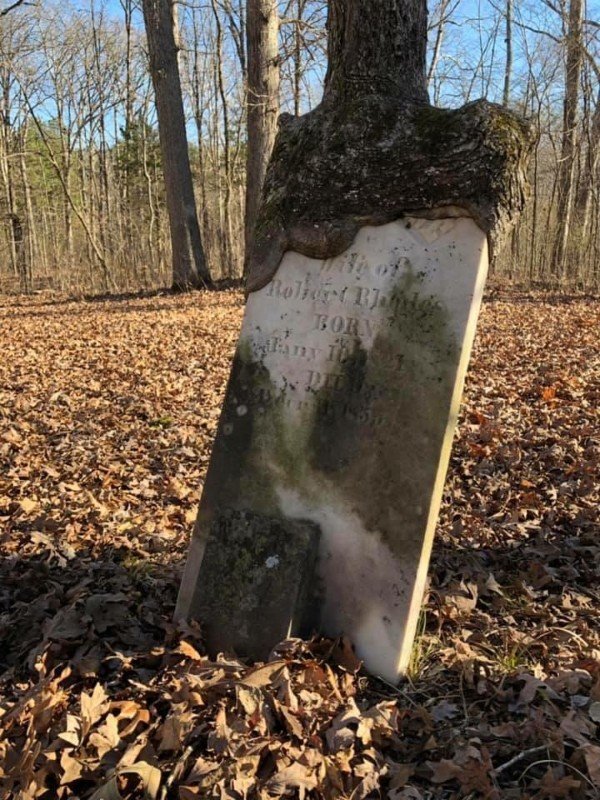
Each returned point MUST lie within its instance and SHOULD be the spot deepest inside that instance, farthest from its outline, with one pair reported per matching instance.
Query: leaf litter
(108, 410)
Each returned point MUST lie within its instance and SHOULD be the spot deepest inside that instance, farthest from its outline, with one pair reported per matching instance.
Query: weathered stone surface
(341, 410)
(254, 585)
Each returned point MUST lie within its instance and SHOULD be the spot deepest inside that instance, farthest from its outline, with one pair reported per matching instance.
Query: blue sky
(462, 43)
(467, 8)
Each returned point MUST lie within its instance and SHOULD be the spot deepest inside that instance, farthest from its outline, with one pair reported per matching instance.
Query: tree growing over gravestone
(366, 275)
(189, 264)
(375, 149)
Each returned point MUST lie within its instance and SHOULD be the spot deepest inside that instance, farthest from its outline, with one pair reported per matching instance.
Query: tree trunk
(227, 266)
(6, 152)
(590, 169)
(566, 172)
(189, 265)
(509, 53)
(298, 57)
(375, 149)
(30, 223)
(262, 27)
(377, 48)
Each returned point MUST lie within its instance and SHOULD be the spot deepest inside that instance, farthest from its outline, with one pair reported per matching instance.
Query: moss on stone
(382, 464)
(253, 581)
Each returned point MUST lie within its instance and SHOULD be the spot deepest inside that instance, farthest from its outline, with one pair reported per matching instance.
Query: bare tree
(590, 169)
(566, 170)
(441, 16)
(189, 265)
(509, 52)
(262, 27)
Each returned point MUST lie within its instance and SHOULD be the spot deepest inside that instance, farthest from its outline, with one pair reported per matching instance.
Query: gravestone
(341, 410)
(366, 278)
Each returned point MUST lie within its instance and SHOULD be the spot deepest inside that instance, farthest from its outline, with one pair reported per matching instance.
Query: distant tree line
(83, 201)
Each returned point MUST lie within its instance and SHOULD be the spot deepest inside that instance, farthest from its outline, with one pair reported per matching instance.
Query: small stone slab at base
(254, 583)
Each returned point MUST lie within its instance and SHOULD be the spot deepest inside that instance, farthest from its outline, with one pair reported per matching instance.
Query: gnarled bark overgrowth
(375, 150)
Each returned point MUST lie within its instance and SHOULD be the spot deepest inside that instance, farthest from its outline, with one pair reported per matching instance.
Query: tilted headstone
(365, 284)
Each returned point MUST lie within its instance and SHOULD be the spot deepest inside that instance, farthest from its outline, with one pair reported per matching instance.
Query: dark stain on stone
(385, 461)
(336, 425)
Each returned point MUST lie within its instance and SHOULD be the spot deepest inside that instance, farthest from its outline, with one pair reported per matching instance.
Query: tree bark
(590, 170)
(375, 149)
(227, 267)
(377, 48)
(566, 172)
(262, 28)
(189, 265)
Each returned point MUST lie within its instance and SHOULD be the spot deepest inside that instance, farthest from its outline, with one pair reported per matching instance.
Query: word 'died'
(344, 383)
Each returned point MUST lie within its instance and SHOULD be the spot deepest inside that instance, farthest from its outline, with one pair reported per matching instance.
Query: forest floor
(107, 413)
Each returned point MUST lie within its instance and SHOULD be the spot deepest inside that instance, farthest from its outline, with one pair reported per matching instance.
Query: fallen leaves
(108, 410)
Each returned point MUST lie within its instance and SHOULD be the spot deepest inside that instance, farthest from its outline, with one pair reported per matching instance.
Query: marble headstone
(341, 409)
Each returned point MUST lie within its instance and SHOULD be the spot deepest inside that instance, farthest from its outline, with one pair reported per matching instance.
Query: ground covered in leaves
(107, 411)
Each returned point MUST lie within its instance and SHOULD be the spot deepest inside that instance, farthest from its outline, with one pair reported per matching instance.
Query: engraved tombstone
(365, 285)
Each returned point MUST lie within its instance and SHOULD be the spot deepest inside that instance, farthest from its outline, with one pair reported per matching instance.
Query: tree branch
(14, 5)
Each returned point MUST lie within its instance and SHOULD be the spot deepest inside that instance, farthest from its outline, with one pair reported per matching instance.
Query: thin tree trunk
(509, 53)
(228, 230)
(566, 173)
(588, 177)
(189, 264)
(262, 26)
(127, 7)
(6, 138)
(198, 108)
(298, 58)
(30, 223)
(439, 38)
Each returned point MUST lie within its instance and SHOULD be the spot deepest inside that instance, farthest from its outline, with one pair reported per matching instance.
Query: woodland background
(109, 406)
(82, 206)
